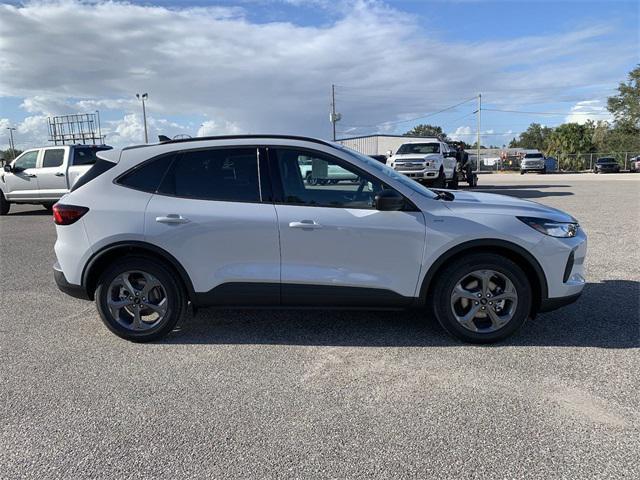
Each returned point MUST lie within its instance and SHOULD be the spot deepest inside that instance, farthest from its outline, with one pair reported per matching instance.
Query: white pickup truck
(430, 161)
(43, 175)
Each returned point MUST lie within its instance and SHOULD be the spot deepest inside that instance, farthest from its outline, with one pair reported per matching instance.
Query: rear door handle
(59, 174)
(306, 224)
(172, 219)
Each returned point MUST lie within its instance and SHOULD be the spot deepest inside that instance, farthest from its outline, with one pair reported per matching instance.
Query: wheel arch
(106, 255)
(513, 252)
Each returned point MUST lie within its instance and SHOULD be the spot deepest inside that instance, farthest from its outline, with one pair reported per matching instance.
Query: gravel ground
(300, 394)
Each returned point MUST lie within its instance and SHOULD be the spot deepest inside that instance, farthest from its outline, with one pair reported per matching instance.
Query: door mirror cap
(389, 200)
(7, 168)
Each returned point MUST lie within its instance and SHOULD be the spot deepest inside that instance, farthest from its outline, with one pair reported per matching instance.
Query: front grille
(409, 166)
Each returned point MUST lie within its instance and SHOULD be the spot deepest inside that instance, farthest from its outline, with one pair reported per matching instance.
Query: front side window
(27, 160)
(419, 148)
(223, 174)
(321, 181)
(53, 158)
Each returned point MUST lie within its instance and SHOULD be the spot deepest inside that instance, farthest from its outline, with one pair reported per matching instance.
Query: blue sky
(267, 65)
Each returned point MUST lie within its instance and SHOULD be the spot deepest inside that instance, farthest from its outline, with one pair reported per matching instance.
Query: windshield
(606, 160)
(533, 155)
(421, 148)
(389, 172)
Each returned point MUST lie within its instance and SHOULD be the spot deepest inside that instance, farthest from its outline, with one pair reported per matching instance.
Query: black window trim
(178, 153)
(279, 190)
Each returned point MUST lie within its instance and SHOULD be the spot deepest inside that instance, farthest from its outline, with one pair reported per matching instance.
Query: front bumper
(76, 291)
(532, 167)
(549, 304)
(427, 174)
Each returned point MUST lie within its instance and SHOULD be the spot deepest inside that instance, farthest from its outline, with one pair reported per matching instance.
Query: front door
(337, 249)
(212, 214)
(22, 183)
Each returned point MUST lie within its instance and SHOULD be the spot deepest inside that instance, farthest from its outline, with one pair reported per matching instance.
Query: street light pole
(143, 97)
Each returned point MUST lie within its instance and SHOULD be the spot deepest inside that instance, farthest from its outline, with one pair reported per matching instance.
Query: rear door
(336, 248)
(52, 174)
(22, 183)
(214, 213)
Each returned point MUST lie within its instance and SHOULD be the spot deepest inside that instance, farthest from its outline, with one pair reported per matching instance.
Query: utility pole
(99, 129)
(333, 116)
(478, 141)
(12, 145)
(143, 97)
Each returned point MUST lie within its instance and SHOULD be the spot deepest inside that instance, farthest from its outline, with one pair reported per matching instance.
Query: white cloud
(274, 77)
(594, 110)
(211, 127)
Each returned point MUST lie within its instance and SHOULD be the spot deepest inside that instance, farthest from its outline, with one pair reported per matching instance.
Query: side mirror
(7, 168)
(389, 200)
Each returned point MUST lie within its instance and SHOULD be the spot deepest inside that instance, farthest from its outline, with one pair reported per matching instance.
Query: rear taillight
(67, 214)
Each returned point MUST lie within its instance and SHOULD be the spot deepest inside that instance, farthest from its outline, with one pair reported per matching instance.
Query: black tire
(453, 273)
(543, 171)
(312, 180)
(4, 205)
(453, 184)
(175, 296)
(440, 181)
(521, 172)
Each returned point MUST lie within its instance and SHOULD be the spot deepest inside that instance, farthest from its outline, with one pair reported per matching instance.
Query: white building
(377, 144)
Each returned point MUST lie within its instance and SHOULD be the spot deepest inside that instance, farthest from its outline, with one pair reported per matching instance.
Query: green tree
(625, 106)
(570, 141)
(534, 137)
(424, 130)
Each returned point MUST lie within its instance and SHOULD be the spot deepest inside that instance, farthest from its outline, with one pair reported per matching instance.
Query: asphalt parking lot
(309, 394)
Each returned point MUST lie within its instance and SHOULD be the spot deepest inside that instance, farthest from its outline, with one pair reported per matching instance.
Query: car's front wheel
(139, 299)
(4, 205)
(482, 298)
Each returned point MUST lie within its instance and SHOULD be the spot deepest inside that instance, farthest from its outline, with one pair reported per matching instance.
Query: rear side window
(86, 156)
(96, 170)
(224, 174)
(148, 175)
(53, 158)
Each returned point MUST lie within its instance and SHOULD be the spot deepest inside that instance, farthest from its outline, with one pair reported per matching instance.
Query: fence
(566, 162)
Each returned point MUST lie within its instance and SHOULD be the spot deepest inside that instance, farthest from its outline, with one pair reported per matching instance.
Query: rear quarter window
(86, 156)
(148, 175)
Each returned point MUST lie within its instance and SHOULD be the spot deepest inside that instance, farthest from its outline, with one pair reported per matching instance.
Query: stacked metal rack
(78, 128)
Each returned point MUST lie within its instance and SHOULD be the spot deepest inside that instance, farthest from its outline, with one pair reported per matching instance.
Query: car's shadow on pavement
(29, 213)
(606, 316)
(525, 191)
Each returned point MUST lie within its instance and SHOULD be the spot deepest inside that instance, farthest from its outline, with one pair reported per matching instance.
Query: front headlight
(551, 227)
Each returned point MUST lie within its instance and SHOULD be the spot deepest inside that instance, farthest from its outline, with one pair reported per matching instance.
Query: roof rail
(164, 140)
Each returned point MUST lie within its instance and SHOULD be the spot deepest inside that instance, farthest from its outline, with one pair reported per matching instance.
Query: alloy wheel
(484, 301)
(137, 300)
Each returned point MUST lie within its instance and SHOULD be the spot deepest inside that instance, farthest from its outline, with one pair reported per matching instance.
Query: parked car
(231, 221)
(430, 161)
(606, 165)
(551, 164)
(319, 173)
(533, 161)
(43, 175)
(634, 164)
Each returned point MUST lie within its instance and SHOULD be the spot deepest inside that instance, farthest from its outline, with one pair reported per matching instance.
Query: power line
(545, 113)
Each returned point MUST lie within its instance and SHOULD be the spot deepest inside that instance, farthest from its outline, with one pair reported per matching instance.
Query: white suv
(430, 160)
(231, 221)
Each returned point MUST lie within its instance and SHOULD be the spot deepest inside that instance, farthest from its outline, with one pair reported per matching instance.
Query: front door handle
(305, 224)
(59, 174)
(30, 175)
(172, 219)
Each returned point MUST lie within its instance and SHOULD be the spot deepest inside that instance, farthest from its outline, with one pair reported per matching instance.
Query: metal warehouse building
(377, 144)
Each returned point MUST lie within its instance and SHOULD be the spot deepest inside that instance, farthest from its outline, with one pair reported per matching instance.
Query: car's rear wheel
(4, 205)
(482, 298)
(139, 299)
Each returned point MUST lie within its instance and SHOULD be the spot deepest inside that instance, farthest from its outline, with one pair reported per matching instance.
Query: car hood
(490, 203)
